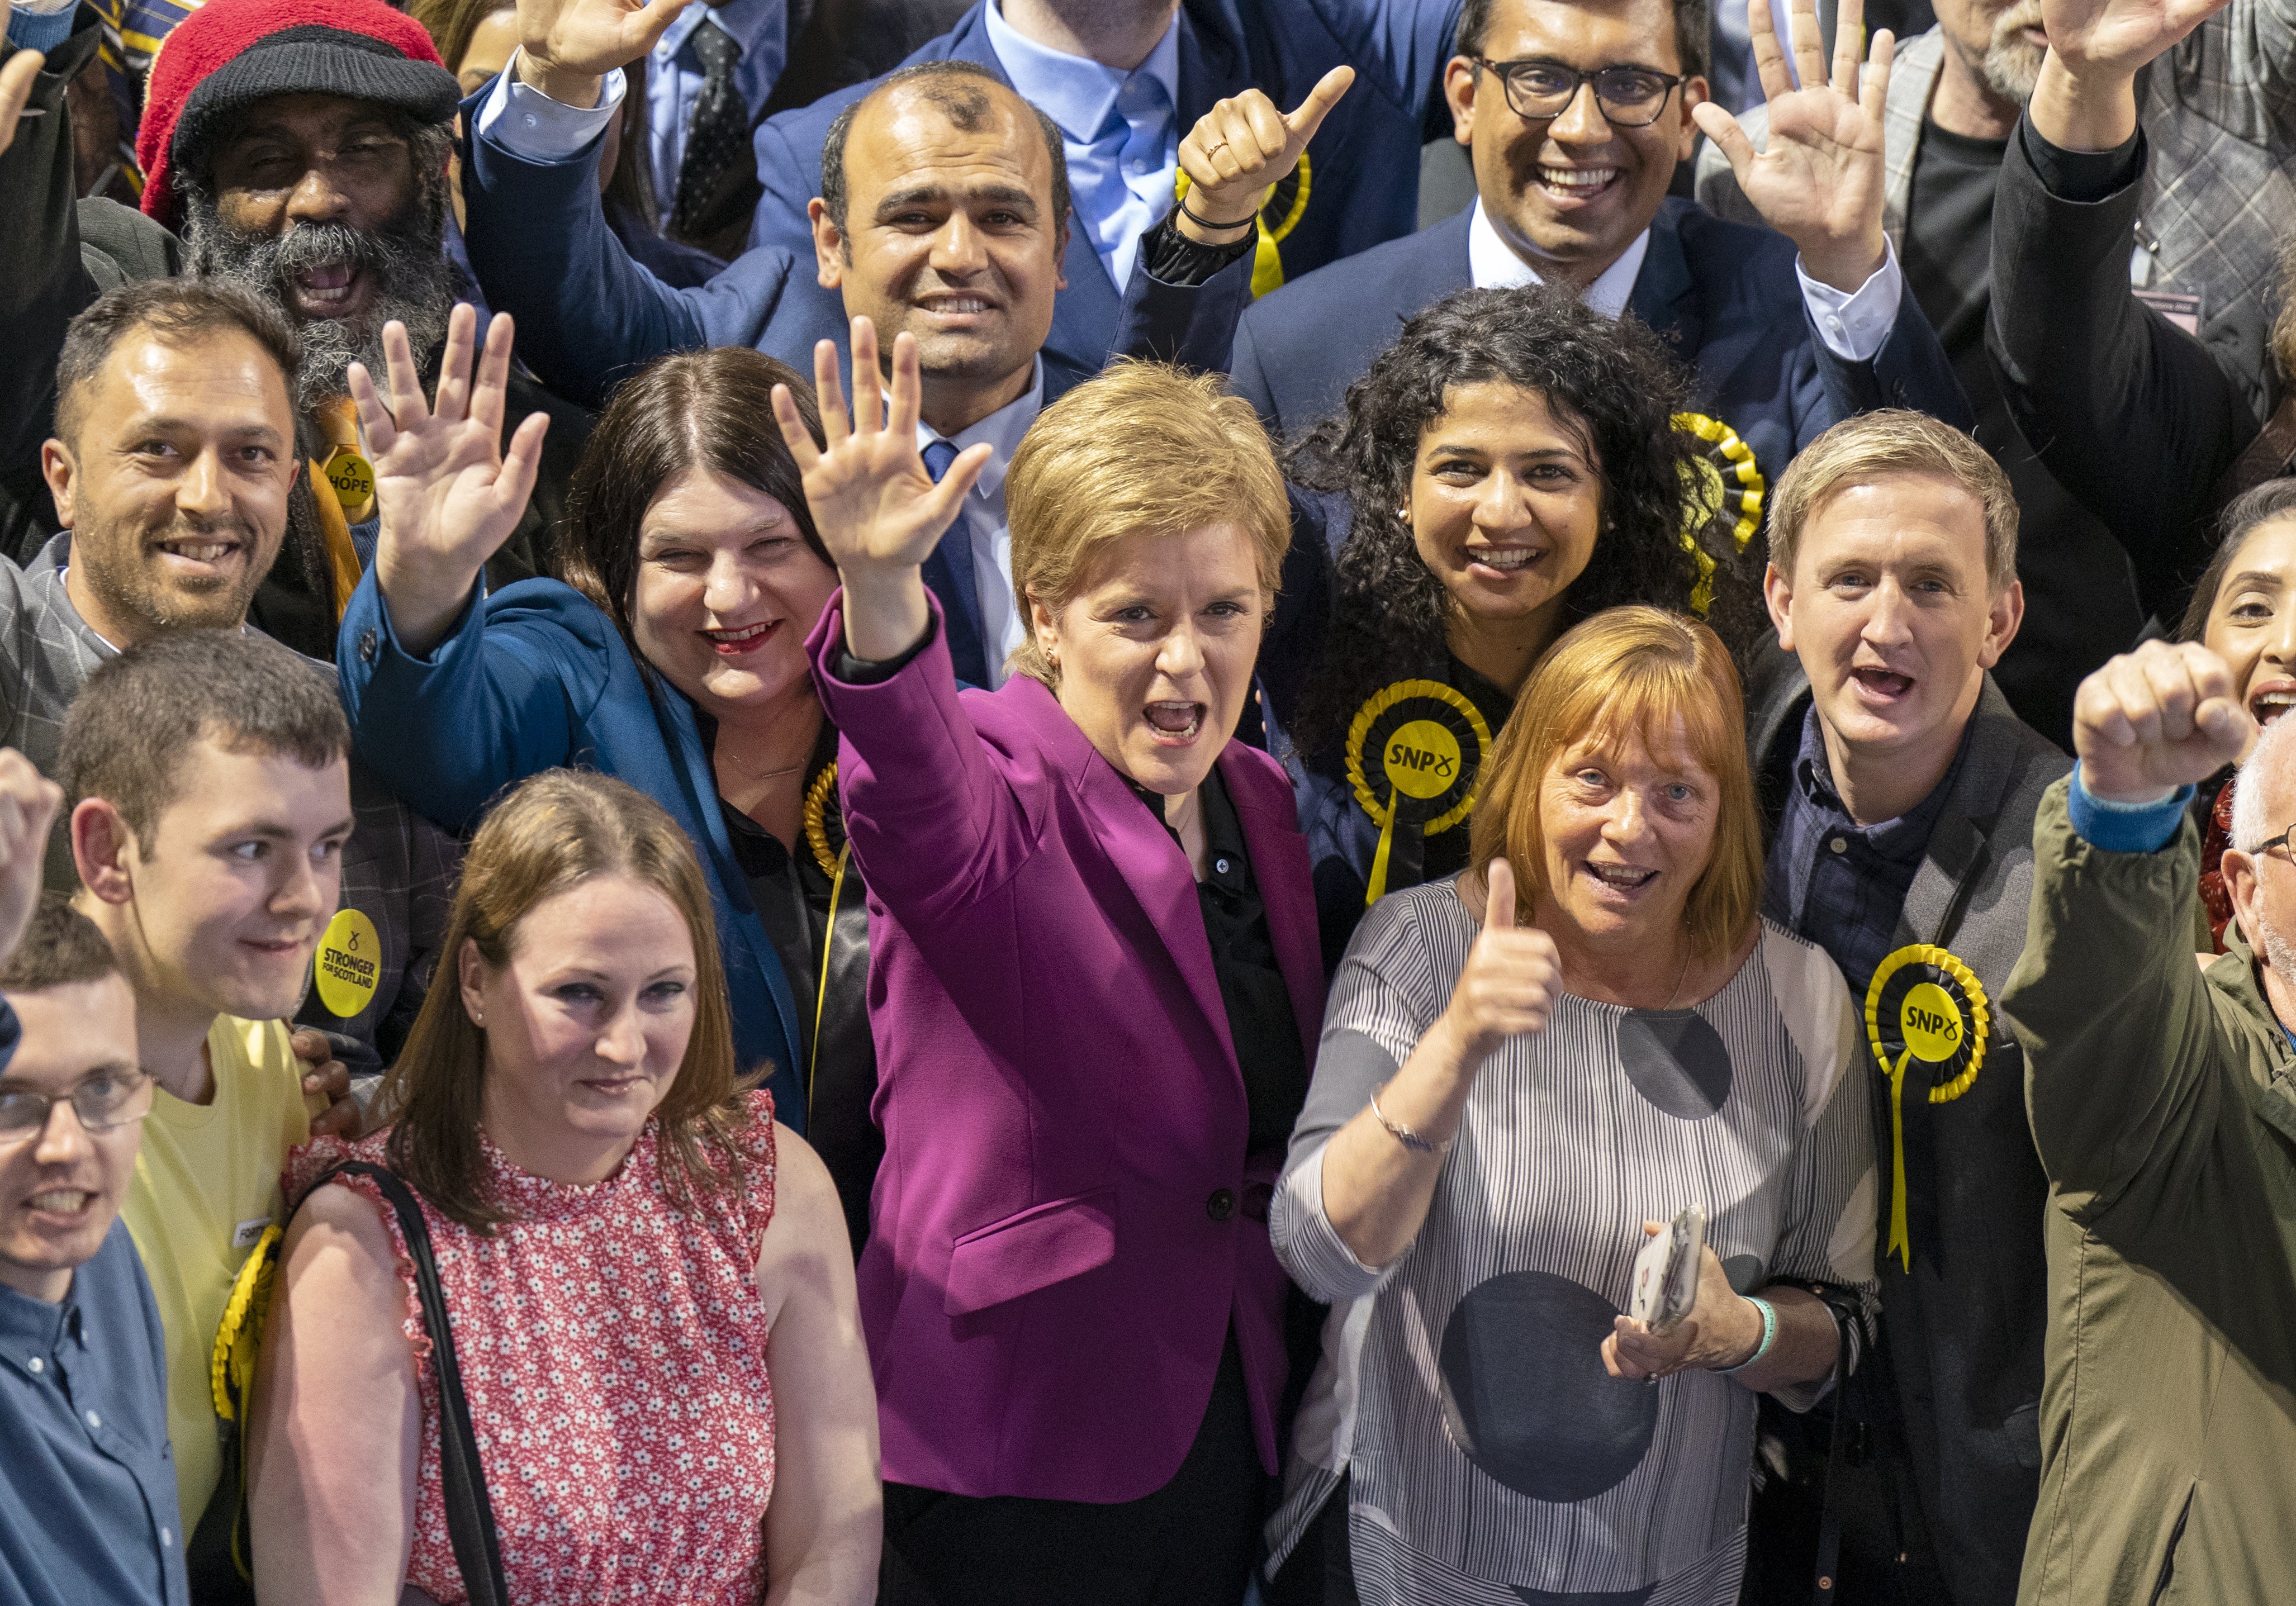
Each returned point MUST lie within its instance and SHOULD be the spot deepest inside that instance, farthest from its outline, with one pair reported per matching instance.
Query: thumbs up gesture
(1242, 148)
(1507, 989)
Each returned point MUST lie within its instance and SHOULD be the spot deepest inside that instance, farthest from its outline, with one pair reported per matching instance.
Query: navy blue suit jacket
(1363, 167)
(536, 677)
(1723, 297)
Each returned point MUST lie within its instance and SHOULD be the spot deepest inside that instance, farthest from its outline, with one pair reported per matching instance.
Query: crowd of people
(1147, 802)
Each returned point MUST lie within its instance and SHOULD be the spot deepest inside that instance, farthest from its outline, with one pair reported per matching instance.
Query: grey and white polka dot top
(1489, 1455)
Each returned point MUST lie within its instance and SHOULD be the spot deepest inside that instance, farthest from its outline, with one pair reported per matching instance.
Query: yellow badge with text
(1415, 760)
(349, 966)
(1925, 1007)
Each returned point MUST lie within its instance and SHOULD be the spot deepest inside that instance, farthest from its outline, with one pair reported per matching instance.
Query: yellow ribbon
(1901, 1238)
(1941, 1019)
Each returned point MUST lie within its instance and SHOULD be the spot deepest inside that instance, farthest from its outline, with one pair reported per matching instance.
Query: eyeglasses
(1630, 97)
(108, 1099)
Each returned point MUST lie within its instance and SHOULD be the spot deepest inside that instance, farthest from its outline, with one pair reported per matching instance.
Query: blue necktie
(948, 574)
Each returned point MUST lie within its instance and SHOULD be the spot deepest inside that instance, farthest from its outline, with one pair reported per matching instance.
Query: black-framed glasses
(2269, 843)
(108, 1099)
(1630, 97)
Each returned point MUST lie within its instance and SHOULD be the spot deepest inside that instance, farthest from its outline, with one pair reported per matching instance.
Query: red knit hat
(228, 53)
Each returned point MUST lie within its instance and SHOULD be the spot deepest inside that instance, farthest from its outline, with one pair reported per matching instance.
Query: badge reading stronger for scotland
(1922, 1004)
(1415, 760)
(348, 966)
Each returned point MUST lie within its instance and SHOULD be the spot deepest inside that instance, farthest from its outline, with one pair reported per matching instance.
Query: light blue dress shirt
(674, 79)
(1122, 131)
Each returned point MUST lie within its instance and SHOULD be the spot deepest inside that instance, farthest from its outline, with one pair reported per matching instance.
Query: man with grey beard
(1955, 94)
(300, 147)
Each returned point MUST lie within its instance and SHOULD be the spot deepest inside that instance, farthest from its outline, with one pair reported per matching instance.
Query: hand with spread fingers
(447, 494)
(566, 48)
(2166, 716)
(1821, 179)
(1242, 148)
(2085, 98)
(877, 510)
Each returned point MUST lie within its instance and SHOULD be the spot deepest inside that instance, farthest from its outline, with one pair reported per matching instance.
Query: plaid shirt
(398, 868)
(1840, 884)
(2220, 112)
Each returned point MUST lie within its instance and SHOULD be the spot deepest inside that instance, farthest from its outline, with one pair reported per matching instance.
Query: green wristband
(1769, 1337)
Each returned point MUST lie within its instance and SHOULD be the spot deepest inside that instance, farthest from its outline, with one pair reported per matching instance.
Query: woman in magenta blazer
(1094, 984)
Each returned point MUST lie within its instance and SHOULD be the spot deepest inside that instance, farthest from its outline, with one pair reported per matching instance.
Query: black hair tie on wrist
(1198, 218)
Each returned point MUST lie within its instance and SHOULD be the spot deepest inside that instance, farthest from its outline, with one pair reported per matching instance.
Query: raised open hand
(567, 46)
(2115, 38)
(1820, 181)
(447, 494)
(2166, 716)
(1244, 145)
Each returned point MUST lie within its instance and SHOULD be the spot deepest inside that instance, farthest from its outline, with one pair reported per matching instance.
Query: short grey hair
(2250, 824)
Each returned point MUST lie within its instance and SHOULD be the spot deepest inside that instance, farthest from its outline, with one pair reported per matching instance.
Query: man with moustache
(1954, 95)
(87, 1495)
(298, 147)
(207, 776)
(171, 472)
(1900, 791)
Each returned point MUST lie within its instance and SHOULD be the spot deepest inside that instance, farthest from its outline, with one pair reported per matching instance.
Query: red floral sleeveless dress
(613, 1351)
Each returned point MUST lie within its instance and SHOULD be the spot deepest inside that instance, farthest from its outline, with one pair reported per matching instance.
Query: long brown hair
(1632, 669)
(556, 830)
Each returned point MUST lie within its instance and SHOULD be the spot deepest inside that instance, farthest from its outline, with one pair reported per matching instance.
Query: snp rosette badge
(1415, 754)
(1923, 1006)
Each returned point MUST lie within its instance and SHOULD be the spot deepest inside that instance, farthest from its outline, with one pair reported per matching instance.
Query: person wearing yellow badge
(1510, 467)
(1900, 791)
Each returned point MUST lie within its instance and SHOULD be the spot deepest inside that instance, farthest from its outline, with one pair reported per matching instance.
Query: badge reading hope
(1427, 743)
(346, 966)
(1922, 1004)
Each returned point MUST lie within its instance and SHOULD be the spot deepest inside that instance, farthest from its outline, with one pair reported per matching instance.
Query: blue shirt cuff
(2126, 827)
(31, 30)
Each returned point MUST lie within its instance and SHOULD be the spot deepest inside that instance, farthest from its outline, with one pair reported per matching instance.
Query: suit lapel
(1911, 82)
(1960, 850)
(1663, 295)
(1280, 867)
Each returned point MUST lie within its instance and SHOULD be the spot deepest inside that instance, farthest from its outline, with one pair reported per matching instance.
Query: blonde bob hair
(1643, 672)
(550, 834)
(1143, 448)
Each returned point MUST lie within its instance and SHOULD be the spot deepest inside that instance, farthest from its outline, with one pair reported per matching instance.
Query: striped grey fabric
(1460, 1388)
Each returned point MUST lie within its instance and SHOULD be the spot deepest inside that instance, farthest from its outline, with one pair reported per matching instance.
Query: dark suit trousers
(1189, 1543)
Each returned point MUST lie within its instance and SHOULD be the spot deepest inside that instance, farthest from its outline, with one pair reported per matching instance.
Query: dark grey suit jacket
(1963, 1329)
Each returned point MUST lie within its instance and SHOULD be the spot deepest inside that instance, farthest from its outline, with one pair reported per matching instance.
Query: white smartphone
(1666, 1272)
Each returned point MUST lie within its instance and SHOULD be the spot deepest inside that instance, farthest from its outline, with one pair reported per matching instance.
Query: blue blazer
(1722, 296)
(534, 677)
(1363, 168)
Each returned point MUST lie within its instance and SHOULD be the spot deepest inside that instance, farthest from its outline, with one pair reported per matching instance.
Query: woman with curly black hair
(1510, 466)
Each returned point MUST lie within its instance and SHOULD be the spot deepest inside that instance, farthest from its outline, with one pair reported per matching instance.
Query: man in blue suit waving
(1575, 113)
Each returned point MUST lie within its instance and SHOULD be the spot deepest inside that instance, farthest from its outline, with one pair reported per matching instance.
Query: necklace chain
(1678, 980)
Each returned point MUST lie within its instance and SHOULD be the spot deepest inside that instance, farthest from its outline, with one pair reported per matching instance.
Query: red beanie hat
(228, 53)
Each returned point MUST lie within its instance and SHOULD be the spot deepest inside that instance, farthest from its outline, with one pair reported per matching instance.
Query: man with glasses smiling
(87, 1506)
(1575, 113)
(2163, 1104)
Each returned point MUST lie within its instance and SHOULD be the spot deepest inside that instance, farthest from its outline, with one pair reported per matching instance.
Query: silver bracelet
(1404, 1134)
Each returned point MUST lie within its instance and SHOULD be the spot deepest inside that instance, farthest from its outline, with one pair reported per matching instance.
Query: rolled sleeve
(522, 120)
(2125, 827)
(1306, 1243)
(1857, 325)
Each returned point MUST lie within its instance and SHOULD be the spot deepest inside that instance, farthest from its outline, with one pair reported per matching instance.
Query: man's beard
(2277, 954)
(123, 570)
(2011, 63)
(405, 260)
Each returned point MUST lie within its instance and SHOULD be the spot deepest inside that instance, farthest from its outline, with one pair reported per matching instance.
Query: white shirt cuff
(1855, 326)
(519, 119)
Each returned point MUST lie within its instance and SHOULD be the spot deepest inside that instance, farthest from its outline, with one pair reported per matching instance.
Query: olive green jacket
(2165, 1115)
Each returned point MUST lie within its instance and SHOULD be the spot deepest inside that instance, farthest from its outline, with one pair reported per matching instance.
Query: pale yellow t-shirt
(207, 1184)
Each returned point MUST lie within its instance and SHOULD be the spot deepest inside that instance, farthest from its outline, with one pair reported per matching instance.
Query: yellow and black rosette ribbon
(1722, 488)
(1922, 1004)
(1416, 756)
(825, 820)
(1280, 211)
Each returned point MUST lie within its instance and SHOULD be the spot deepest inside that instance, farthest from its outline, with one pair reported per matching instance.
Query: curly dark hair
(1613, 382)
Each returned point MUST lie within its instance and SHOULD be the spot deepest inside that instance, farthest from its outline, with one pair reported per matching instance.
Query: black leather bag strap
(470, 1514)
(1846, 1308)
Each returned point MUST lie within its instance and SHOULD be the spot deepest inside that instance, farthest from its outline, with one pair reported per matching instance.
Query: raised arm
(826, 1525)
(2126, 1060)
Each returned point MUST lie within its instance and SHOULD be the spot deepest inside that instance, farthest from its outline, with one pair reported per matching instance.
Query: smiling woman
(673, 659)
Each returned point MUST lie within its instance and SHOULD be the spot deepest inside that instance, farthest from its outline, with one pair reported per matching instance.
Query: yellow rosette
(1280, 211)
(1922, 1004)
(1722, 484)
(1415, 755)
